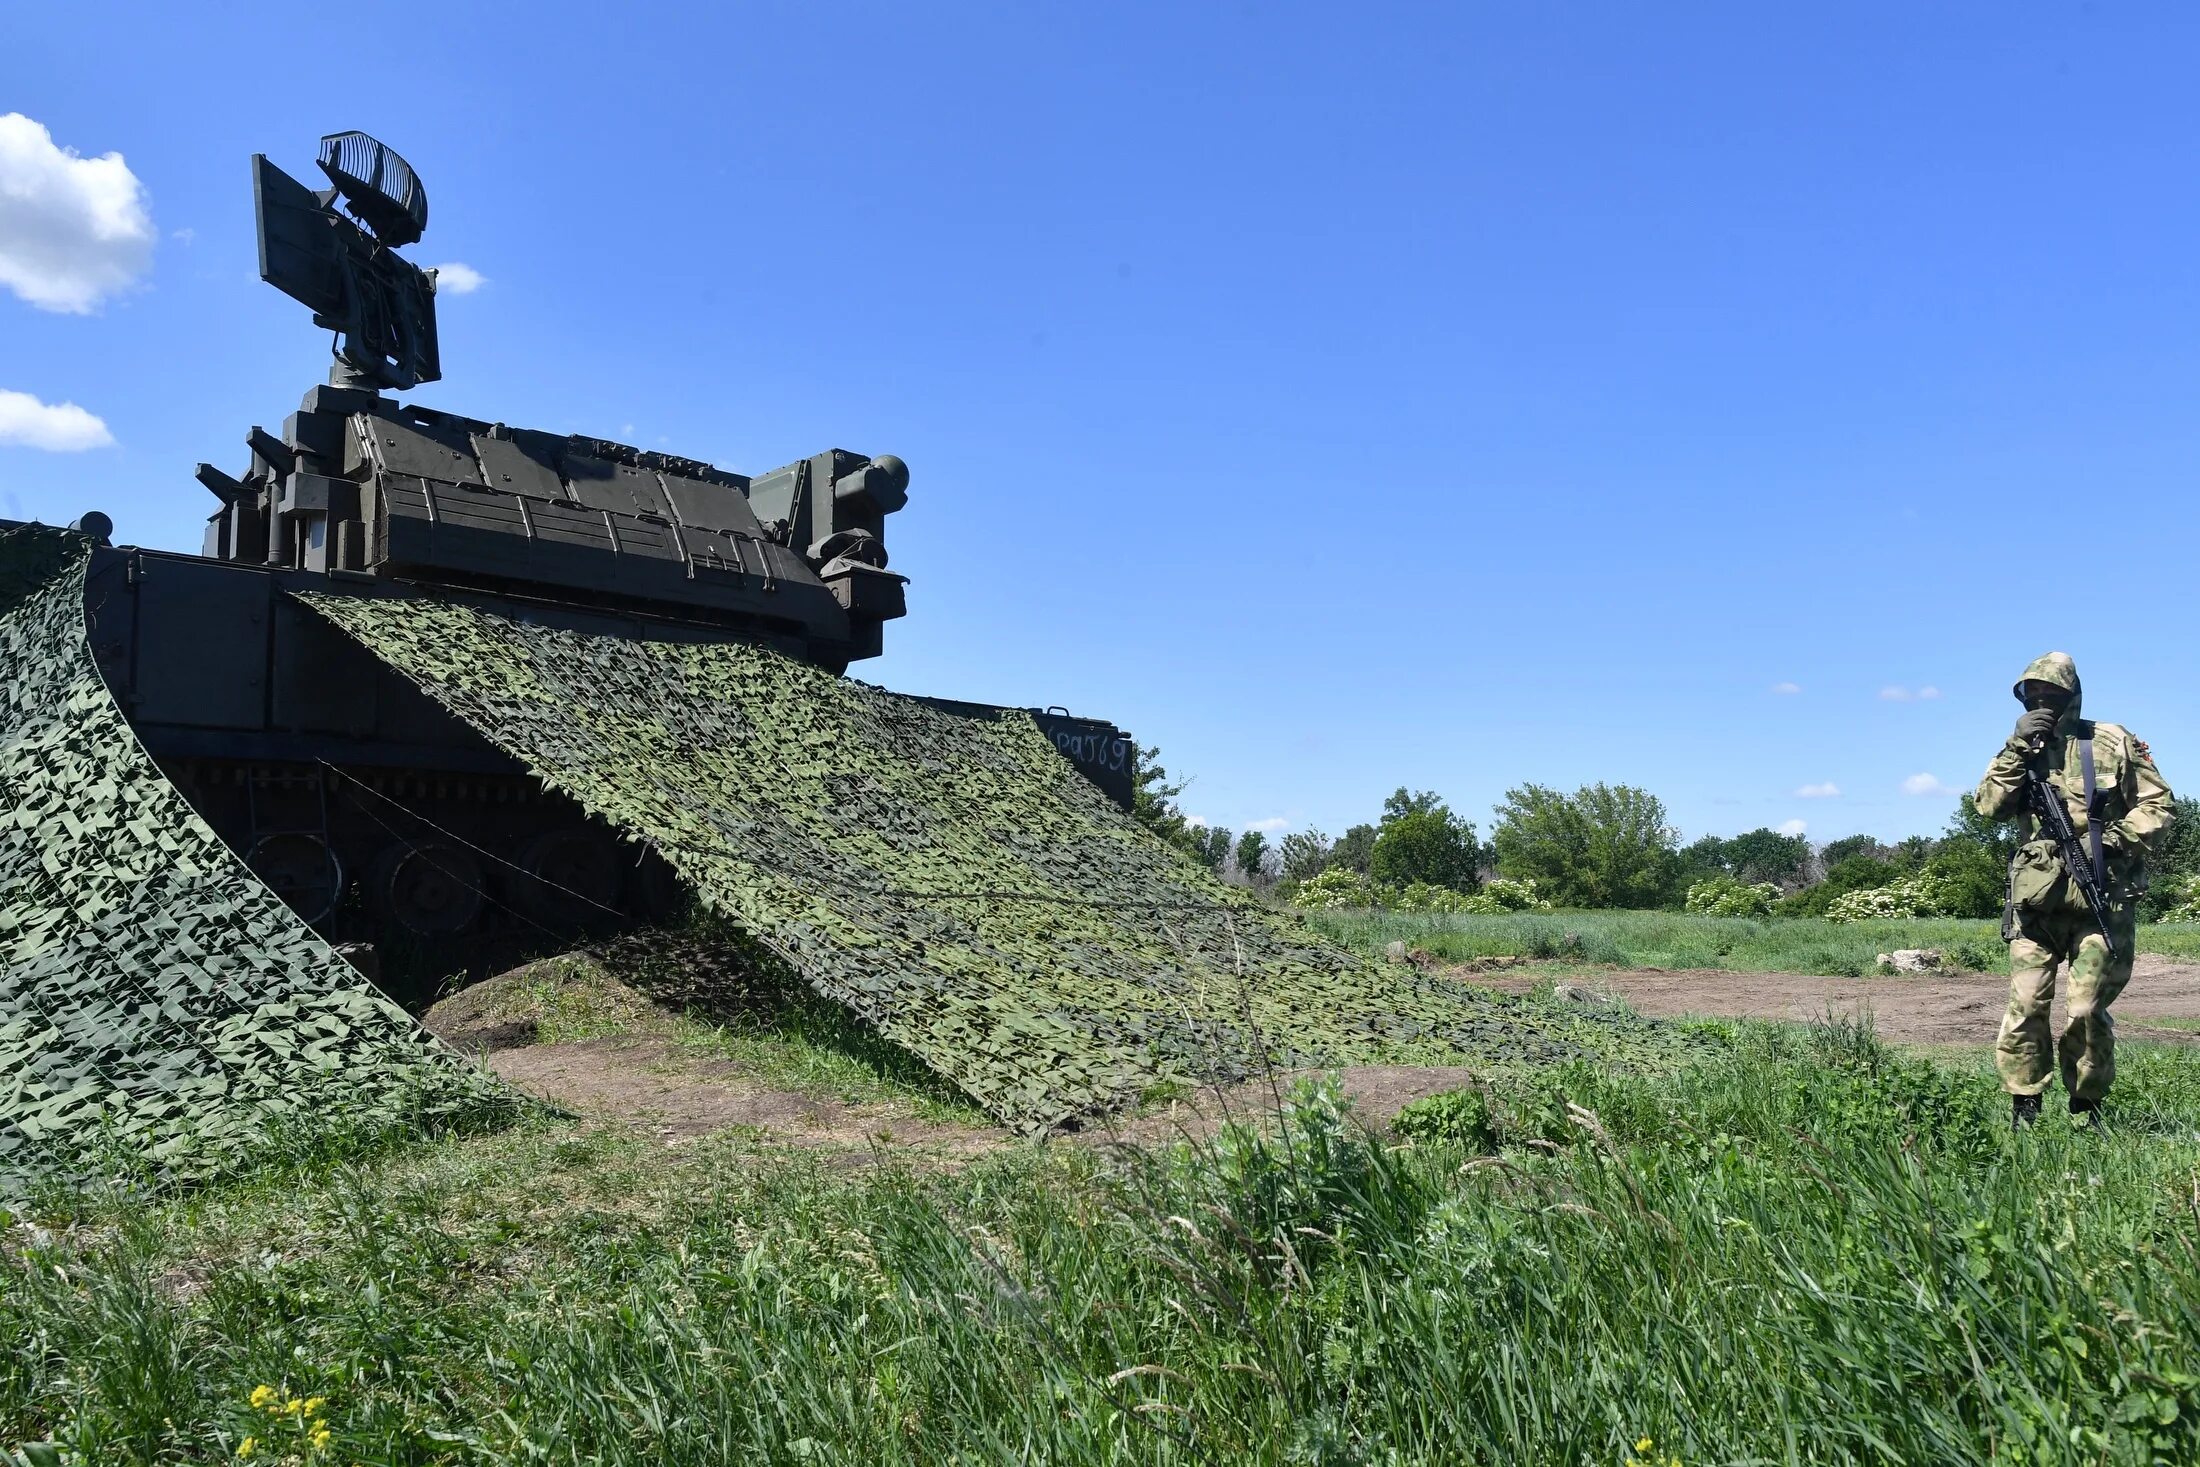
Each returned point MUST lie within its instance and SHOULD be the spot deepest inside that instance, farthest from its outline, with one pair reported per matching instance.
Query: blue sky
(1341, 397)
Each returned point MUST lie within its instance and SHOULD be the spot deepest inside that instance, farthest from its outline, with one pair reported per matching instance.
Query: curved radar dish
(378, 186)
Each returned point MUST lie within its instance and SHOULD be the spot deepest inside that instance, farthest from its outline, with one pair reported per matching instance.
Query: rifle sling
(2092, 815)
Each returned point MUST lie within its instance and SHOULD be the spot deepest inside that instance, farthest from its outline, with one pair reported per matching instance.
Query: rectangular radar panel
(299, 253)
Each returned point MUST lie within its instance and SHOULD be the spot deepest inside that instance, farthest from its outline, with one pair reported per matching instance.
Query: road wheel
(300, 868)
(432, 889)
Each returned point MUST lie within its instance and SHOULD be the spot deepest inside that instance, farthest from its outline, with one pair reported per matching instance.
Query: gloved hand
(2113, 840)
(2037, 723)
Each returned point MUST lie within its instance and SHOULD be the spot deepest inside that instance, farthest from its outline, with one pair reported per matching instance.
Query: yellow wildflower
(319, 1437)
(294, 1406)
(1645, 1446)
(248, 1446)
(261, 1396)
(314, 1405)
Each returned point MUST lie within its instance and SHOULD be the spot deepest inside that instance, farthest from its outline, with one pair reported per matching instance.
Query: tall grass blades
(1802, 1248)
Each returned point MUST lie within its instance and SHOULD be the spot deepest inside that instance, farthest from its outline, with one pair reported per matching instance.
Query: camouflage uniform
(2047, 922)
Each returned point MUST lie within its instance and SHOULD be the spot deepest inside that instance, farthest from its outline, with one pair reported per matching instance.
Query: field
(1675, 940)
(1801, 1246)
(1803, 1249)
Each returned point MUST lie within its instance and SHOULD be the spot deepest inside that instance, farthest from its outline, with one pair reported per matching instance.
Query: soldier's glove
(2037, 723)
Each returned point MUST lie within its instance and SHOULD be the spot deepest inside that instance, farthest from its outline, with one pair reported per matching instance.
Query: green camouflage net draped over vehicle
(159, 1006)
(953, 880)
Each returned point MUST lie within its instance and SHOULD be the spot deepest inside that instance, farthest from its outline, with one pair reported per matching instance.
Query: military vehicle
(392, 828)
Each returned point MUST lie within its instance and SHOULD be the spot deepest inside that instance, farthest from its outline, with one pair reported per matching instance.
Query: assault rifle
(2054, 817)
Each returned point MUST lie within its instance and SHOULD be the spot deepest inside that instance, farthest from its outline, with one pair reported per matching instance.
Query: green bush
(1723, 896)
(1459, 1116)
(1288, 1183)
(1970, 879)
(1601, 846)
(1424, 847)
(1973, 955)
(2178, 899)
(1856, 873)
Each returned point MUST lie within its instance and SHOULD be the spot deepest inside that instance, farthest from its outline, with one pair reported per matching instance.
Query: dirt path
(1959, 1008)
(648, 1083)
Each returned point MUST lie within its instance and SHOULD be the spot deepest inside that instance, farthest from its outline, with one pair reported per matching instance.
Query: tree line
(1613, 846)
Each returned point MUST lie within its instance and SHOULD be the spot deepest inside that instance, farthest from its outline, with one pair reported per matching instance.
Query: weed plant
(1682, 940)
(1801, 1249)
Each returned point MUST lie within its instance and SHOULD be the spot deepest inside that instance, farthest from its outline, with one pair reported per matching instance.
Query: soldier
(2119, 807)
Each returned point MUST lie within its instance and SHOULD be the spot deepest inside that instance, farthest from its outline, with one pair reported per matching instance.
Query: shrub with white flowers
(1505, 895)
(1422, 896)
(1338, 887)
(1723, 896)
(1913, 896)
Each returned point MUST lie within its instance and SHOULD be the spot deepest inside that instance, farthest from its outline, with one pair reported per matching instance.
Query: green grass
(1802, 1248)
(1677, 940)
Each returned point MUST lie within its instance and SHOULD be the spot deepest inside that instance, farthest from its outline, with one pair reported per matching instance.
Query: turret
(360, 486)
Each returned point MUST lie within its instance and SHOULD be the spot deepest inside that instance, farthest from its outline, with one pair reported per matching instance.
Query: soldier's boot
(2086, 1113)
(2023, 1110)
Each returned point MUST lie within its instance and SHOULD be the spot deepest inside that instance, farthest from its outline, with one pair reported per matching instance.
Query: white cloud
(1825, 791)
(1271, 825)
(1787, 689)
(1927, 693)
(1792, 827)
(1893, 694)
(1197, 822)
(56, 427)
(1926, 784)
(73, 230)
(183, 236)
(457, 279)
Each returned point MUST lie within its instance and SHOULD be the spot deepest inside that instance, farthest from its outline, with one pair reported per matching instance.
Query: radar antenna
(343, 264)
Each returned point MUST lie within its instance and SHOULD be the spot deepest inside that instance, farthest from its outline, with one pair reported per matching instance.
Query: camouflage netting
(158, 1004)
(954, 881)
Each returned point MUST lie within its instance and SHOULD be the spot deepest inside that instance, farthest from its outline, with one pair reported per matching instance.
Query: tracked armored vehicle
(396, 831)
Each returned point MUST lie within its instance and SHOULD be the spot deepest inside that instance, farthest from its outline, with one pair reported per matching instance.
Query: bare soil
(648, 1082)
(1939, 1009)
